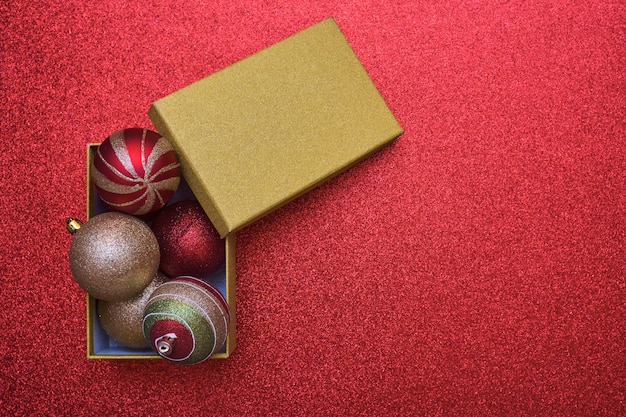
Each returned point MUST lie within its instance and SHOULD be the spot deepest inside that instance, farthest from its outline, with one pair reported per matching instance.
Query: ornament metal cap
(165, 344)
(72, 225)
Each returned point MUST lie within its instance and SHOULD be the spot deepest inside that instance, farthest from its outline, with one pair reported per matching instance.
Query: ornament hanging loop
(165, 344)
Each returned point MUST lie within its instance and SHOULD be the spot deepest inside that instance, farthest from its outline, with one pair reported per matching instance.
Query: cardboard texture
(101, 346)
(274, 125)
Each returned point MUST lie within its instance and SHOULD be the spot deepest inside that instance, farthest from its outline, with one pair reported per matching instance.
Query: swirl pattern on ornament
(135, 171)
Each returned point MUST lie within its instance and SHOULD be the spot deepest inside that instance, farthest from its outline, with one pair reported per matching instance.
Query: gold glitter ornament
(113, 256)
(122, 320)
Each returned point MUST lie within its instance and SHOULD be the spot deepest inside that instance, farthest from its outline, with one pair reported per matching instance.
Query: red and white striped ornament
(135, 171)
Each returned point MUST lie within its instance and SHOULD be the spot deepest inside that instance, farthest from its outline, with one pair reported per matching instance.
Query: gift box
(261, 132)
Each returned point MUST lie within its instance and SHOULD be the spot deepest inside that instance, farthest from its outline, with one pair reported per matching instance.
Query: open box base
(99, 344)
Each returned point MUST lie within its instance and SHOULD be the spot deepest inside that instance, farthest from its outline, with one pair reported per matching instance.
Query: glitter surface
(114, 256)
(189, 243)
(135, 171)
(186, 302)
(122, 320)
(474, 268)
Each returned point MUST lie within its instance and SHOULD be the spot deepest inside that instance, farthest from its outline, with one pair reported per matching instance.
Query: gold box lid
(264, 130)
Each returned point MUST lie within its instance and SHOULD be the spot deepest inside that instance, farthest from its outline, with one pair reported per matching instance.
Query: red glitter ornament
(188, 241)
(135, 171)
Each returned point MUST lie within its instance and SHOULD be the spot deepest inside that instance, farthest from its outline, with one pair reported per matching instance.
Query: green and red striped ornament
(186, 320)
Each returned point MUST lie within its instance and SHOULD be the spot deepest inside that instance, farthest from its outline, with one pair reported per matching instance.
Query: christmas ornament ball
(186, 320)
(135, 171)
(122, 320)
(114, 256)
(188, 241)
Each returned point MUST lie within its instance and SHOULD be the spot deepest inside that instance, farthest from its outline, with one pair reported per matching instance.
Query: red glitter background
(474, 267)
